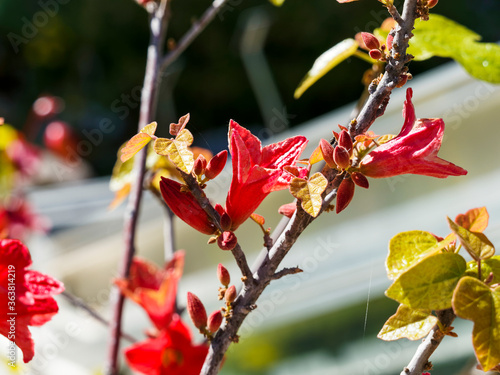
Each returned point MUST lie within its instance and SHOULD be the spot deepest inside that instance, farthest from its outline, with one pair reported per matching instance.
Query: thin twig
(149, 99)
(78, 302)
(285, 272)
(420, 360)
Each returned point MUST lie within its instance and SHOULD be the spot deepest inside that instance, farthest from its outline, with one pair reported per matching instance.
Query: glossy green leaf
(177, 152)
(429, 284)
(476, 244)
(326, 62)
(491, 265)
(407, 249)
(475, 220)
(474, 300)
(440, 36)
(407, 323)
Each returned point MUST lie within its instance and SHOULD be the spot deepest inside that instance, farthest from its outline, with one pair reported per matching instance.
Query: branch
(420, 361)
(149, 98)
(285, 272)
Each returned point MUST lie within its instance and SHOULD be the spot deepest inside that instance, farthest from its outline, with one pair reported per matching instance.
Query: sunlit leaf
(491, 265)
(316, 156)
(8, 134)
(277, 3)
(429, 284)
(407, 323)
(176, 128)
(120, 196)
(309, 192)
(258, 219)
(476, 244)
(326, 62)
(149, 129)
(134, 145)
(474, 300)
(442, 37)
(407, 249)
(177, 152)
(185, 136)
(475, 220)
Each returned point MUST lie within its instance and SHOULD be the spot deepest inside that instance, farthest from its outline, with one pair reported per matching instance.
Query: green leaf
(474, 300)
(475, 220)
(407, 323)
(440, 36)
(476, 244)
(491, 265)
(177, 152)
(429, 284)
(407, 249)
(309, 192)
(326, 62)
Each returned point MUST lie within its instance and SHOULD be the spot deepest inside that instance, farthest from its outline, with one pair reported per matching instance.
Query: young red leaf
(216, 165)
(345, 193)
(177, 128)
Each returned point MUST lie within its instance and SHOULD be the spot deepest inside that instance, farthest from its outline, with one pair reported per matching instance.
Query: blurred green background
(91, 53)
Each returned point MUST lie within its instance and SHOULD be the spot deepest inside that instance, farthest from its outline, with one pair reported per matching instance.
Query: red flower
(153, 288)
(17, 219)
(171, 353)
(258, 170)
(185, 206)
(413, 151)
(25, 296)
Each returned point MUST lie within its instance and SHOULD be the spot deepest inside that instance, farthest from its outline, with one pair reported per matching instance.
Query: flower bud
(327, 151)
(341, 157)
(214, 321)
(375, 54)
(225, 221)
(288, 209)
(344, 194)
(199, 165)
(196, 311)
(432, 3)
(219, 209)
(370, 41)
(223, 275)
(227, 240)
(360, 180)
(345, 141)
(230, 294)
(216, 165)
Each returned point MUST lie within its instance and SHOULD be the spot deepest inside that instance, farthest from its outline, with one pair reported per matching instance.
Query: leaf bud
(216, 165)
(225, 221)
(288, 209)
(223, 275)
(199, 165)
(214, 321)
(230, 294)
(360, 180)
(375, 54)
(345, 193)
(196, 311)
(370, 41)
(345, 141)
(227, 240)
(431, 3)
(341, 157)
(327, 151)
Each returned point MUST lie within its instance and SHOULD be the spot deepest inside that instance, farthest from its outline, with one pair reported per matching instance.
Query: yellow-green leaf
(475, 220)
(407, 249)
(474, 300)
(134, 145)
(476, 243)
(185, 136)
(149, 129)
(326, 62)
(258, 219)
(491, 265)
(429, 284)
(277, 3)
(309, 192)
(177, 152)
(407, 323)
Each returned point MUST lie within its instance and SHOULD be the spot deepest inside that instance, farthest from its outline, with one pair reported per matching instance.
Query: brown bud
(370, 41)
(227, 240)
(223, 275)
(327, 151)
(432, 3)
(403, 78)
(345, 193)
(216, 165)
(341, 157)
(360, 180)
(375, 54)
(199, 165)
(196, 311)
(345, 141)
(230, 294)
(225, 222)
(214, 321)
